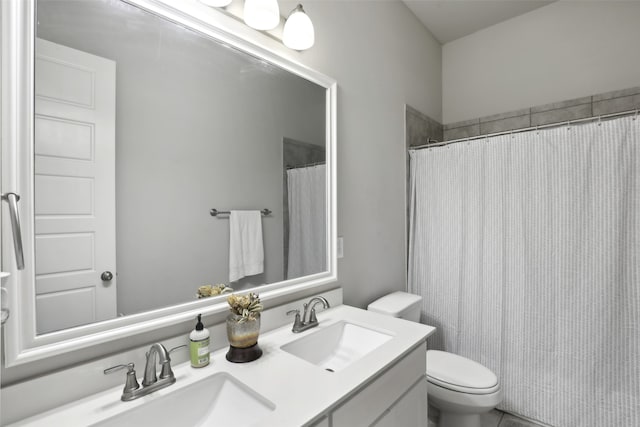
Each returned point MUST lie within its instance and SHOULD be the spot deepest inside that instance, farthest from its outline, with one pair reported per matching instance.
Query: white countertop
(300, 391)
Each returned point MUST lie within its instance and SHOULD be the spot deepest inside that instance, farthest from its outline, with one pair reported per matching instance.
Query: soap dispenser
(199, 345)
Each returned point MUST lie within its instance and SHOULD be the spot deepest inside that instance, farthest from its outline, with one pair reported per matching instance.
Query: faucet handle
(297, 323)
(131, 382)
(177, 348)
(297, 313)
(166, 371)
(312, 316)
(116, 368)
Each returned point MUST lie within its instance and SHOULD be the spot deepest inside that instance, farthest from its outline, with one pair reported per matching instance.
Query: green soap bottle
(199, 345)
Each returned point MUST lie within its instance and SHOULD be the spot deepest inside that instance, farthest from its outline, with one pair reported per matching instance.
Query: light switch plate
(340, 247)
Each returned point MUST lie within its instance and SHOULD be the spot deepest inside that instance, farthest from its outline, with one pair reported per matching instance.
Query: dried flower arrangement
(248, 306)
(212, 290)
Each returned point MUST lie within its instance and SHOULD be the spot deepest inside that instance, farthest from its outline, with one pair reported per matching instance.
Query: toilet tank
(398, 304)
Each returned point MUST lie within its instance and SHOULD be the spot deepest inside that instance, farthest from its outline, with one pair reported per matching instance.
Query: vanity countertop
(301, 392)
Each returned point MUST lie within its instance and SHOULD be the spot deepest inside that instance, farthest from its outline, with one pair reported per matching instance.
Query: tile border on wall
(419, 127)
(573, 109)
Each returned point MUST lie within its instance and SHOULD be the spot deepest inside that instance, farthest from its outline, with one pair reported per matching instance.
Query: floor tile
(490, 419)
(493, 418)
(511, 421)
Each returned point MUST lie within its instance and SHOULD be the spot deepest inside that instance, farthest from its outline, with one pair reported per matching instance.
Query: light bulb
(216, 3)
(298, 31)
(261, 14)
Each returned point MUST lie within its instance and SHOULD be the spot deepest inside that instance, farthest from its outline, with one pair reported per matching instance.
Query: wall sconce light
(261, 14)
(264, 15)
(216, 3)
(298, 30)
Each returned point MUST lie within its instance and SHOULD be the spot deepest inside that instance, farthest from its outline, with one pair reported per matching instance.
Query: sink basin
(218, 400)
(337, 346)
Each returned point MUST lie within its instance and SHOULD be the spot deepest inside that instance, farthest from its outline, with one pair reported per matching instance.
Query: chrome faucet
(150, 367)
(150, 382)
(303, 324)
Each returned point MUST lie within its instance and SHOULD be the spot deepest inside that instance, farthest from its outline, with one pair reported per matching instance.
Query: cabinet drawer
(373, 400)
(410, 411)
(323, 422)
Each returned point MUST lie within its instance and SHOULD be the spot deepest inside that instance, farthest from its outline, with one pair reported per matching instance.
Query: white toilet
(459, 388)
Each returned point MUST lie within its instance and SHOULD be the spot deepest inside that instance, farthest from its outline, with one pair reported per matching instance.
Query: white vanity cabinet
(410, 410)
(323, 422)
(385, 387)
(397, 397)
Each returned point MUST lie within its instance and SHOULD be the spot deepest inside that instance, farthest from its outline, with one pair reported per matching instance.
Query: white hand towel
(246, 252)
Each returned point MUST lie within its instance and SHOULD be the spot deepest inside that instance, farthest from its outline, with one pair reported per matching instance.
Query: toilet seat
(459, 374)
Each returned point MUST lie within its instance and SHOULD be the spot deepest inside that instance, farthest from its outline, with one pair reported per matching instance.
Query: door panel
(76, 304)
(61, 75)
(74, 187)
(60, 253)
(64, 195)
(63, 138)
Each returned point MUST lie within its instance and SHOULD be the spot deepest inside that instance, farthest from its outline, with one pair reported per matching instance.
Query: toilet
(459, 388)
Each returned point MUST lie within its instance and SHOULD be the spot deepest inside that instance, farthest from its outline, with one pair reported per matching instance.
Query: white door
(74, 187)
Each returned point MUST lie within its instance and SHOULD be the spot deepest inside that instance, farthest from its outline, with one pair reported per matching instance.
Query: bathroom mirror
(146, 117)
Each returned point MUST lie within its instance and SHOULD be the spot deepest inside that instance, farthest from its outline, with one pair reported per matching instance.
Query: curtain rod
(528, 129)
(308, 165)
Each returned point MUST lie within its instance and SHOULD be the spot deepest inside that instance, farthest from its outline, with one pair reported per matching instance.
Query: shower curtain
(526, 250)
(307, 232)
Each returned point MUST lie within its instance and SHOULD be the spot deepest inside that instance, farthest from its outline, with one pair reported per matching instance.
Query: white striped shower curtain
(307, 229)
(526, 250)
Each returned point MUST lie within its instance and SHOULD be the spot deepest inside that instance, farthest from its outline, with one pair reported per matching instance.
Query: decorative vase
(243, 338)
(242, 333)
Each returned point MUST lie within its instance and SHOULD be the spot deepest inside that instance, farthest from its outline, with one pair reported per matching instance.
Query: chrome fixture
(166, 373)
(216, 212)
(12, 199)
(106, 276)
(300, 325)
(131, 382)
(150, 382)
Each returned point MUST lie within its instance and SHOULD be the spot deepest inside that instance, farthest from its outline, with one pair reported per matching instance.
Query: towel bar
(216, 212)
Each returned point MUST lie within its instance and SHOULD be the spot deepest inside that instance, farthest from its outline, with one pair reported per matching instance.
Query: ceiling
(449, 20)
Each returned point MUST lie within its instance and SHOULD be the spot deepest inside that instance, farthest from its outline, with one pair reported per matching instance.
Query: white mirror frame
(21, 344)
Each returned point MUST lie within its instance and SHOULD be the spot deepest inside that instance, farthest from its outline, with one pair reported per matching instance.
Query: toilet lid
(460, 374)
(395, 304)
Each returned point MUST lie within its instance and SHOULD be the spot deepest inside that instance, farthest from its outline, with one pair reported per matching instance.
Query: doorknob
(106, 276)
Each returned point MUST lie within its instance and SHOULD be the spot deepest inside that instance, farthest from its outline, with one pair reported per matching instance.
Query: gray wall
(197, 128)
(382, 58)
(563, 51)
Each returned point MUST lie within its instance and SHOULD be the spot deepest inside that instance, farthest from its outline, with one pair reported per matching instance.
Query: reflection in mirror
(142, 127)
